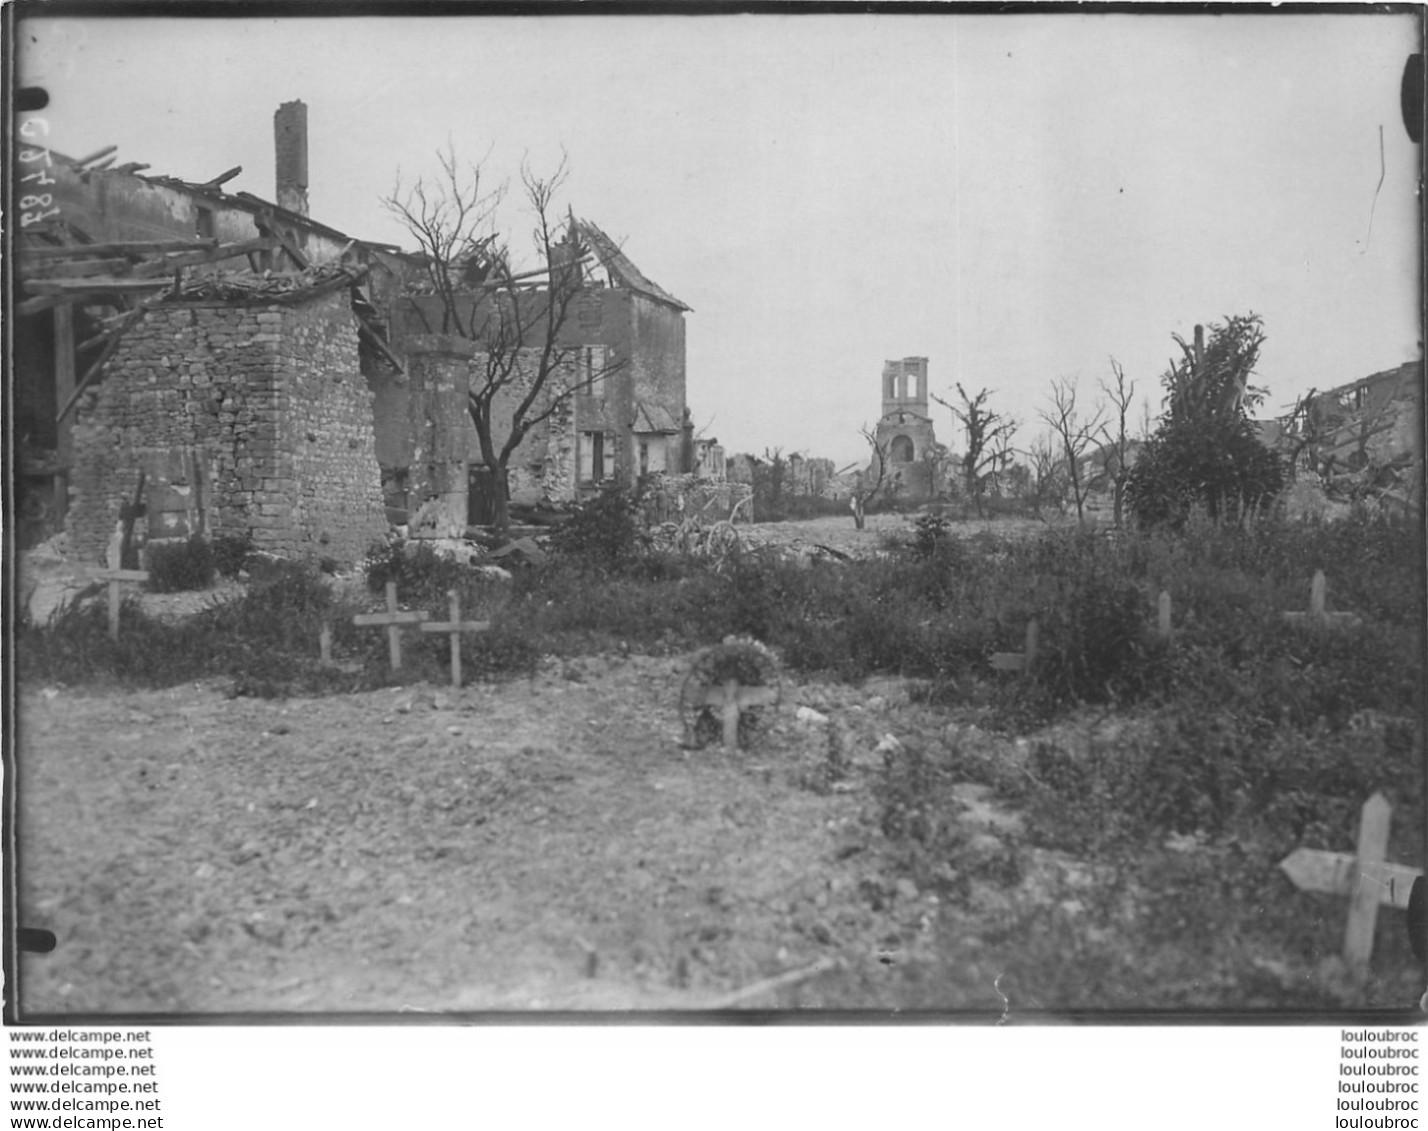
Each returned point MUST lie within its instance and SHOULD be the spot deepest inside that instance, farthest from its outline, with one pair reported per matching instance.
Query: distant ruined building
(905, 431)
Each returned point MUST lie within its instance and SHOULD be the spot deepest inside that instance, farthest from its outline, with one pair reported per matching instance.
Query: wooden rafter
(198, 258)
(268, 226)
(130, 248)
(75, 268)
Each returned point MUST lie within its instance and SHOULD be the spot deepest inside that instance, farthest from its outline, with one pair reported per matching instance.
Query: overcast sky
(1017, 198)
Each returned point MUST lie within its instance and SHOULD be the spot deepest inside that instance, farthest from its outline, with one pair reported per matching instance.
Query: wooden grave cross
(1019, 661)
(1365, 877)
(392, 620)
(1316, 617)
(731, 699)
(454, 628)
(1162, 626)
(116, 577)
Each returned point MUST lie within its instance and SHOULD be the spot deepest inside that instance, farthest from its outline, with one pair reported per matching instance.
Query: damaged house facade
(238, 368)
(1361, 439)
(618, 376)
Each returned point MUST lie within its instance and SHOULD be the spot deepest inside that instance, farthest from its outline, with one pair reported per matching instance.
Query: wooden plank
(379, 344)
(268, 225)
(133, 248)
(74, 268)
(196, 258)
(454, 628)
(367, 620)
(89, 375)
(392, 620)
(122, 574)
(95, 156)
(223, 178)
(95, 284)
(1339, 873)
(40, 303)
(1363, 903)
(116, 577)
(720, 695)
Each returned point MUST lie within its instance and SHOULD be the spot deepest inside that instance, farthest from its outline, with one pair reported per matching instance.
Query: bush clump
(180, 566)
(230, 553)
(604, 533)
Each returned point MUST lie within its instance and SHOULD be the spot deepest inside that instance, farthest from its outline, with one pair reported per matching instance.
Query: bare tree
(1075, 437)
(528, 363)
(989, 436)
(1047, 481)
(1121, 394)
(867, 486)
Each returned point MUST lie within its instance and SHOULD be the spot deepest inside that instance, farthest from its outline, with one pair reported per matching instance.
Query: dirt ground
(542, 844)
(545, 844)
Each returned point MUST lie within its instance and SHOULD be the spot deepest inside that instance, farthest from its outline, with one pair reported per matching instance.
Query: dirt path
(544, 844)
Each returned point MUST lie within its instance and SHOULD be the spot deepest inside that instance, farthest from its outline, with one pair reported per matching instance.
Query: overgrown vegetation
(1179, 773)
(178, 566)
(934, 609)
(1205, 453)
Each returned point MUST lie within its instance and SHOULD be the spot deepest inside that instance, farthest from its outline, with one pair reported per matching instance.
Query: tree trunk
(857, 512)
(500, 500)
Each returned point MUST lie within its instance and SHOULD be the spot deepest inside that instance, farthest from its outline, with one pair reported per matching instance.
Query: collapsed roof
(622, 272)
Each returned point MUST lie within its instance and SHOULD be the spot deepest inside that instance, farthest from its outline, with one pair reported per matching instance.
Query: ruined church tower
(905, 429)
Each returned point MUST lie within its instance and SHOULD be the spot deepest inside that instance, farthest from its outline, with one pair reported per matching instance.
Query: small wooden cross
(1365, 877)
(1316, 617)
(1163, 619)
(731, 699)
(392, 620)
(1019, 661)
(116, 577)
(454, 628)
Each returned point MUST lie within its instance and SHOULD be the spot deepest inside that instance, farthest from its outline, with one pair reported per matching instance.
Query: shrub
(931, 534)
(1218, 465)
(178, 566)
(1206, 451)
(604, 532)
(230, 551)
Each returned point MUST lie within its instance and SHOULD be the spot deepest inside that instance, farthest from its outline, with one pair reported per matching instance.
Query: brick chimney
(290, 141)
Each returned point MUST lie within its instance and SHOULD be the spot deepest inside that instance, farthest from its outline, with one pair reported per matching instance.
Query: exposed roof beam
(134, 249)
(105, 152)
(197, 258)
(222, 178)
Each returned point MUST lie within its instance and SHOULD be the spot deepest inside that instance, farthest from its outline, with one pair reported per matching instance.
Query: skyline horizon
(1017, 198)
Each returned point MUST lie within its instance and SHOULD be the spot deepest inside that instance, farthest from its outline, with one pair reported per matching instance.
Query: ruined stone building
(260, 374)
(905, 431)
(1362, 437)
(623, 341)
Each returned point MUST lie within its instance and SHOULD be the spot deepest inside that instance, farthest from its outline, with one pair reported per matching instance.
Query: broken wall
(246, 420)
(643, 337)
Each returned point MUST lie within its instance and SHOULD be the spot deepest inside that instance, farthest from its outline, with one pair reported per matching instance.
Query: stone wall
(338, 511)
(249, 419)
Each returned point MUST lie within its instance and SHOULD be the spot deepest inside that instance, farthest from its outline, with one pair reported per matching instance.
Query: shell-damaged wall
(245, 420)
(643, 345)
